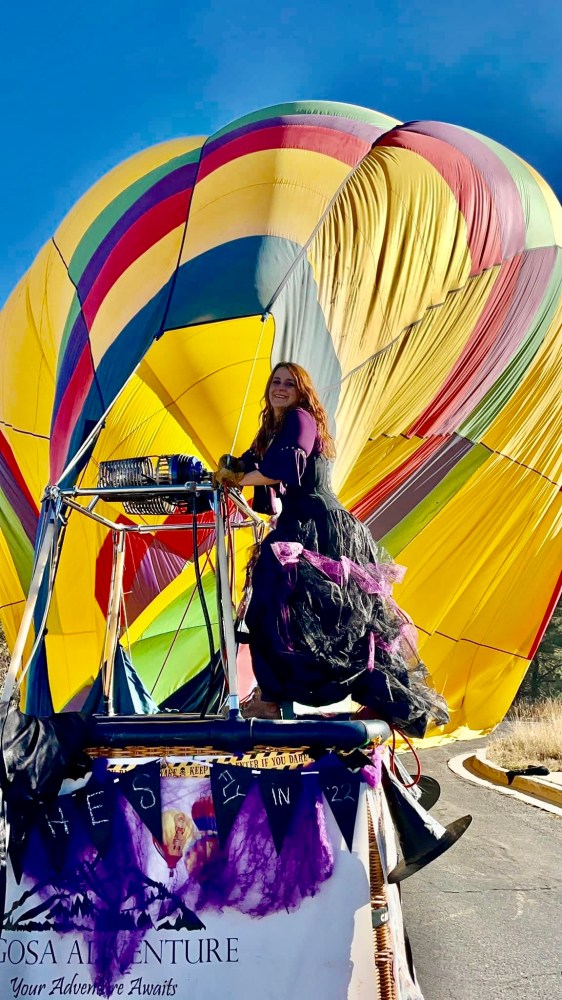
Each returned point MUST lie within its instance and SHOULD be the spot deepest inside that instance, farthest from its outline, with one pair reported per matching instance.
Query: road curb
(540, 788)
(463, 766)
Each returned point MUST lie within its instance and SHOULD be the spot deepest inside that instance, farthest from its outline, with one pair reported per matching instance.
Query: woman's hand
(230, 471)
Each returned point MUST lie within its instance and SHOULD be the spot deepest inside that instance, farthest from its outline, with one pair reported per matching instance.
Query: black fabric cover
(35, 756)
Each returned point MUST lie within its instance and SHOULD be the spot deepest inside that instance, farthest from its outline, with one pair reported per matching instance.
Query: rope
(382, 940)
(264, 320)
(412, 750)
(179, 628)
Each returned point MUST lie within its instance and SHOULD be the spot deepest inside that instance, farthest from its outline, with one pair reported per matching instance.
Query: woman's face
(283, 392)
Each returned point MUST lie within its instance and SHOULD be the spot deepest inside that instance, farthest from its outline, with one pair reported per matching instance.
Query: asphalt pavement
(485, 919)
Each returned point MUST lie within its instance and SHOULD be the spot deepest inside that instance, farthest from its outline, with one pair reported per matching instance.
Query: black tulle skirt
(323, 624)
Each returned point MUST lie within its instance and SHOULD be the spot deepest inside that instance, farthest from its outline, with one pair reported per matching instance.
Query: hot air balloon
(413, 269)
(178, 832)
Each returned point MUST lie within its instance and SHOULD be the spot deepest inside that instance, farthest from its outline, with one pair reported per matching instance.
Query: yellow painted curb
(541, 788)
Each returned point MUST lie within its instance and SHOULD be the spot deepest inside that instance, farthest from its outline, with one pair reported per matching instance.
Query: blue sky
(84, 85)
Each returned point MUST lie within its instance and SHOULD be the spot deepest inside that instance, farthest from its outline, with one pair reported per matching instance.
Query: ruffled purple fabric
(249, 874)
(372, 578)
(372, 773)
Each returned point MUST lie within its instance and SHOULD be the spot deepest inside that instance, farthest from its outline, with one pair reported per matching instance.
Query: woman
(321, 621)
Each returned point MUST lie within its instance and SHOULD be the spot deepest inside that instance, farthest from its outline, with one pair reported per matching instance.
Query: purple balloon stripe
(77, 340)
(505, 194)
(178, 180)
(418, 486)
(361, 130)
(532, 283)
(157, 568)
(18, 501)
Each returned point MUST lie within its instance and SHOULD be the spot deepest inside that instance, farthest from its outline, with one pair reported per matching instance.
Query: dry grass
(534, 736)
(4, 656)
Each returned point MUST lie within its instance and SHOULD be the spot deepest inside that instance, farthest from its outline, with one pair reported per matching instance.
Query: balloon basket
(203, 852)
(179, 733)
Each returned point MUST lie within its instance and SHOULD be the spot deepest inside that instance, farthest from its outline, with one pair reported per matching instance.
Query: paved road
(485, 919)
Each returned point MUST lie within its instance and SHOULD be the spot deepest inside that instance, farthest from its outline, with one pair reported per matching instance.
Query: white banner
(321, 948)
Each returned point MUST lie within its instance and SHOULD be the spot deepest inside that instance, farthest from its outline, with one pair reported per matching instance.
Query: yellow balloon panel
(29, 326)
(281, 192)
(211, 372)
(479, 683)
(529, 427)
(419, 361)
(386, 394)
(12, 597)
(76, 659)
(476, 575)
(377, 259)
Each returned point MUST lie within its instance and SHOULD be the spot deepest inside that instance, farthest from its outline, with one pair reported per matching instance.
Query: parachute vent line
(190, 199)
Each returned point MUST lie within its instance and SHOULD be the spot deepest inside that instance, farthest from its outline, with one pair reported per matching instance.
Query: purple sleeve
(285, 459)
(250, 461)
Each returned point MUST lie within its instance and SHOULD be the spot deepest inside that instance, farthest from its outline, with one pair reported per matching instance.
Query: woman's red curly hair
(307, 399)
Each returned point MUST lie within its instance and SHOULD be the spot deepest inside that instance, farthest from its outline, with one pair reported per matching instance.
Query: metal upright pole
(43, 554)
(112, 630)
(225, 611)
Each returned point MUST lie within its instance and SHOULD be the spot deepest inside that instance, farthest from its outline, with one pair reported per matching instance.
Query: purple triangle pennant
(19, 823)
(280, 791)
(141, 787)
(341, 790)
(230, 785)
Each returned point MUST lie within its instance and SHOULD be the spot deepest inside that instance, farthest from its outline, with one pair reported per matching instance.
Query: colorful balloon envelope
(414, 269)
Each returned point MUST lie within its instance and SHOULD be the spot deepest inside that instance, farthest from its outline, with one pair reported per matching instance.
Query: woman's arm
(255, 478)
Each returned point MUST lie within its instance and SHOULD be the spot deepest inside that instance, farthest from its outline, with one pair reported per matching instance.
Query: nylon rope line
(180, 624)
(21, 430)
(264, 320)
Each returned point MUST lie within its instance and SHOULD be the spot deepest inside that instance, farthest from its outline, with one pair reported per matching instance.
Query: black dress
(322, 623)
